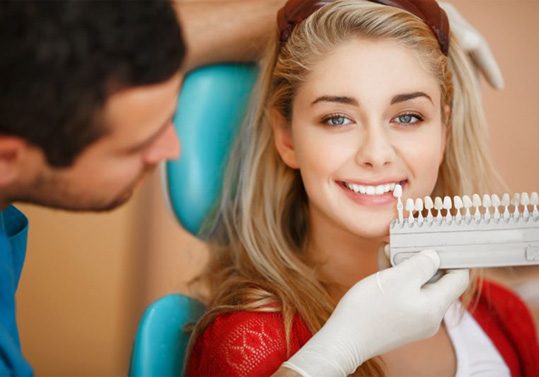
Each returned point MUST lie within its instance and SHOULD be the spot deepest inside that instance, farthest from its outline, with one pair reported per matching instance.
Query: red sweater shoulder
(245, 344)
(509, 324)
(254, 344)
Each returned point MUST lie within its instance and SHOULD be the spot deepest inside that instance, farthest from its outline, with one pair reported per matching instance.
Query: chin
(373, 233)
(118, 202)
(371, 229)
(101, 205)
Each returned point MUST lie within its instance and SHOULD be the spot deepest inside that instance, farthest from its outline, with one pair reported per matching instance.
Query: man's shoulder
(12, 362)
(13, 227)
(14, 221)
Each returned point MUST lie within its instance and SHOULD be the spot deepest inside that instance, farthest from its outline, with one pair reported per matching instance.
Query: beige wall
(75, 300)
(88, 277)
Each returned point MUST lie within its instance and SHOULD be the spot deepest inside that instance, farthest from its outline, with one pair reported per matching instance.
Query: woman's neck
(342, 258)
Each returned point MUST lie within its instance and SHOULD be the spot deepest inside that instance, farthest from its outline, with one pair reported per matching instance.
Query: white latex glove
(380, 313)
(476, 46)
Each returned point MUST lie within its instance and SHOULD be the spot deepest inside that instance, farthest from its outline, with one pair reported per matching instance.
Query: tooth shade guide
(438, 205)
(496, 204)
(400, 210)
(410, 208)
(525, 201)
(489, 242)
(476, 201)
(487, 208)
(506, 202)
(397, 193)
(467, 202)
(429, 205)
(515, 202)
(419, 208)
(457, 202)
(534, 201)
(486, 205)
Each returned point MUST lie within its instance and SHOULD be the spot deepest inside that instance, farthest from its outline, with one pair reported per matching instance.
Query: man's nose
(166, 147)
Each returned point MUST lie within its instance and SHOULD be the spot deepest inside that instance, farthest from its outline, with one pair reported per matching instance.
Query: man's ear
(282, 133)
(11, 152)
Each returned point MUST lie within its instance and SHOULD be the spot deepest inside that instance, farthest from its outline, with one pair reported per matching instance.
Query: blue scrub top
(13, 233)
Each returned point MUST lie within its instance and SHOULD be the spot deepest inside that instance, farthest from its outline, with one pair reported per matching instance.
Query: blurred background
(88, 277)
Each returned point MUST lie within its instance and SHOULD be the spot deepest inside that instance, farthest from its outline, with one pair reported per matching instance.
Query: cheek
(423, 155)
(320, 155)
(115, 175)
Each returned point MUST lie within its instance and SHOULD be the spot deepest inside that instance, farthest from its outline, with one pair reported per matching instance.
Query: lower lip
(369, 200)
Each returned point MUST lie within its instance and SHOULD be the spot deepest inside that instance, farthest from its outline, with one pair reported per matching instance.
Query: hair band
(296, 11)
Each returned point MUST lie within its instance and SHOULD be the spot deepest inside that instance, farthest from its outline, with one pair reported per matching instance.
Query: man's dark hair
(60, 61)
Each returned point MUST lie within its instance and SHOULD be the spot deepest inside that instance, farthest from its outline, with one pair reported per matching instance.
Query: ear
(11, 152)
(282, 135)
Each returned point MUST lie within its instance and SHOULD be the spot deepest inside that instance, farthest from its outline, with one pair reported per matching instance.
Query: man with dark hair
(87, 95)
(88, 92)
(78, 80)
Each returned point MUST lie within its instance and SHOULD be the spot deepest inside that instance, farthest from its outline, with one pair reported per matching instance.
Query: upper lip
(384, 181)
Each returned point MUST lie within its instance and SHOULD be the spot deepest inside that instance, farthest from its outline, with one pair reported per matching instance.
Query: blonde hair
(258, 233)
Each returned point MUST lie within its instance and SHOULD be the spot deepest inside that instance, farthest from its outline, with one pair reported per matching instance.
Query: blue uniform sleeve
(13, 230)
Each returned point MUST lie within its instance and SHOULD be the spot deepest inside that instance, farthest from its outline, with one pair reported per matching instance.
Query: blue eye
(337, 121)
(409, 118)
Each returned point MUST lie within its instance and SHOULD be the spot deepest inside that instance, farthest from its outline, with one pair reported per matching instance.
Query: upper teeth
(371, 190)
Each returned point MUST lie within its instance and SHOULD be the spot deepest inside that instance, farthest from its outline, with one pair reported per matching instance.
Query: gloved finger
(475, 45)
(467, 36)
(448, 288)
(420, 267)
(485, 60)
(383, 257)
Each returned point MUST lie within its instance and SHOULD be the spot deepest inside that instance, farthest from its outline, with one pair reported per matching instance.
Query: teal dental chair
(211, 108)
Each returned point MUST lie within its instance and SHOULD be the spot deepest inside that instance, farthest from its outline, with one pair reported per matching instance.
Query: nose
(165, 147)
(375, 149)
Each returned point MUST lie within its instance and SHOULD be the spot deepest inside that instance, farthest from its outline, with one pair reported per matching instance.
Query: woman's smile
(373, 194)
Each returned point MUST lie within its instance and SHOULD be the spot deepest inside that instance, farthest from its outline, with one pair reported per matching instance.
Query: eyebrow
(338, 99)
(352, 101)
(409, 96)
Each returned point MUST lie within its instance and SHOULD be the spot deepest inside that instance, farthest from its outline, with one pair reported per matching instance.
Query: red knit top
(253, 343)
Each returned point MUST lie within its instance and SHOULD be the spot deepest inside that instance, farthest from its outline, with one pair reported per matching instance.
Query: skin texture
(225, 30)
(139, 136)
(372, 123)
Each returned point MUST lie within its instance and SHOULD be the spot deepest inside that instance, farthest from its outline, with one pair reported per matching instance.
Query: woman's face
(367, 117)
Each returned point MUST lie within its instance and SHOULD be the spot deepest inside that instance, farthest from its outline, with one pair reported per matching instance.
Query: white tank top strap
(475, 353)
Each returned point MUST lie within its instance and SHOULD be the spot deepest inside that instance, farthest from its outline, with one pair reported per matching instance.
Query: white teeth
(371, 190)
(397, 192)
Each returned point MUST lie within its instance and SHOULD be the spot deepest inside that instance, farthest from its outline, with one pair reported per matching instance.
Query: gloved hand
(476, 46)
(380, 313)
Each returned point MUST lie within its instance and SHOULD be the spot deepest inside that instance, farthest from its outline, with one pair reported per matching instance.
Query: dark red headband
(295, 11)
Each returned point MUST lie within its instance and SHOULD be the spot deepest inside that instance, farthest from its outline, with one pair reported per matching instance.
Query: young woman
(355, 98)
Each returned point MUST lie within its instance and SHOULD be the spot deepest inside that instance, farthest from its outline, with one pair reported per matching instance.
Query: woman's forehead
(366, 68)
